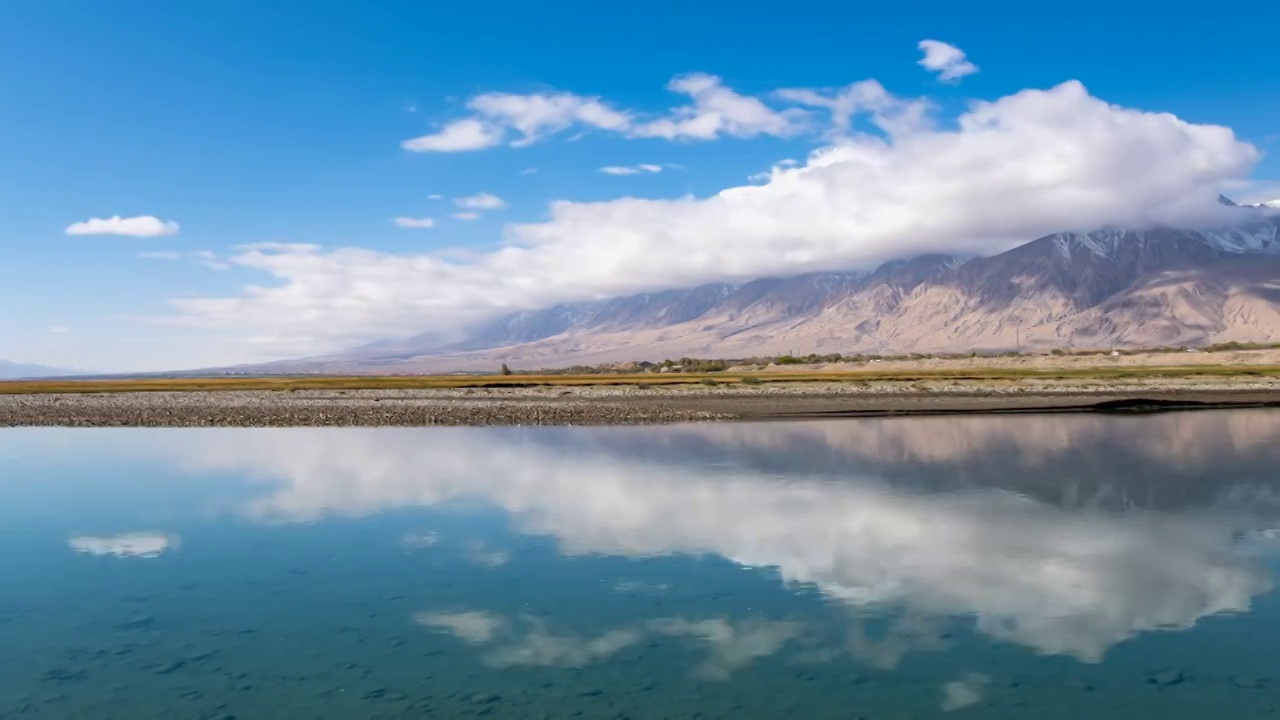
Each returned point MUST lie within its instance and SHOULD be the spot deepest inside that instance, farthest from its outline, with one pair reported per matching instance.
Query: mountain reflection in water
(1066, 535)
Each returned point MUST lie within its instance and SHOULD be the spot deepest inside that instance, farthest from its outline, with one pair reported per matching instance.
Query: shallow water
(995, 567)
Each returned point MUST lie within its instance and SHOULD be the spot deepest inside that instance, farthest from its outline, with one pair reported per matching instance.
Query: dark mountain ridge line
(1110, 288)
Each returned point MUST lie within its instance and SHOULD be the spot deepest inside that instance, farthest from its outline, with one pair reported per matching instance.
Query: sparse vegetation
(865, 374)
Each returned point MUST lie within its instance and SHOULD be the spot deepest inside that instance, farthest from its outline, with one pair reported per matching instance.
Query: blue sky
(282, 122)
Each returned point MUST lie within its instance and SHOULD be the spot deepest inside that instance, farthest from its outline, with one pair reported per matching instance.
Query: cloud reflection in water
(1055, 573)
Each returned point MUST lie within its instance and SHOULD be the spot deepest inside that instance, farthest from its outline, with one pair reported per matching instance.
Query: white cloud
(636, 169)
(891, 114)
(141, 226)
(57, 330)
(532, 116)
(1003, 173)
(434, 196)
(408, 222)
(528, 171)
(718, 110)
(466, 216)
(481, 201)
(1254, 192)
(946, 60)
(207, 258)
(141, 545)
(537, 115)
(210, 259)
(459, 136)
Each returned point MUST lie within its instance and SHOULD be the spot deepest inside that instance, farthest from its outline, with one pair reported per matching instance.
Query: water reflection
(140, 545)
(1065, 535)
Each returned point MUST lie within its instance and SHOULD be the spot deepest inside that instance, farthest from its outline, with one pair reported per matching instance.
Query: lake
(1045, 566)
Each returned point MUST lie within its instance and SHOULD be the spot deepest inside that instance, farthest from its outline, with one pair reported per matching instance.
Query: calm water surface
(994, 567)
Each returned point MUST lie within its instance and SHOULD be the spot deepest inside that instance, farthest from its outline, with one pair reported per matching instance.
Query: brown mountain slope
(1110, 288)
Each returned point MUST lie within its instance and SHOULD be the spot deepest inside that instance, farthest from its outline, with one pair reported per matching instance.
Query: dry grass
(285, 384)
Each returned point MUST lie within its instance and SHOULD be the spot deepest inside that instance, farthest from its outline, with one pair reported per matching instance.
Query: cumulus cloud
(459, 136)
(891, 114)
(57, 330)
(408, 222)
(481, 201)
(718, 110)
(715, 110)
(532, 117)
(140, 226)
(947, 60)
(1004, 172)
(466, 216)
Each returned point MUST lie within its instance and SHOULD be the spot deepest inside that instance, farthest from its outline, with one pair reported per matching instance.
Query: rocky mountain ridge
(1113, 287)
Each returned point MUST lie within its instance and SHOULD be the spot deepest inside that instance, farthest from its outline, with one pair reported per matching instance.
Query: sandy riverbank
(616, 405)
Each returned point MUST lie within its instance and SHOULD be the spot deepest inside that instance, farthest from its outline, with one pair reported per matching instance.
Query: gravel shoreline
(607, 405)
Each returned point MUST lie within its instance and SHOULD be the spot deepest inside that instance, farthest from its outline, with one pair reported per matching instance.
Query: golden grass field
(359, 382)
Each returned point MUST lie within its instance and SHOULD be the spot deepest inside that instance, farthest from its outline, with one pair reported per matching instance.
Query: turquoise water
(994, 567)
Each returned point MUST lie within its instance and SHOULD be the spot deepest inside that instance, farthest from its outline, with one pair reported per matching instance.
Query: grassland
(427, 382)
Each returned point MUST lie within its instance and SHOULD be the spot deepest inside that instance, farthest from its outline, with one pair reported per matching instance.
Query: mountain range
(1113, 287)
(10, 370)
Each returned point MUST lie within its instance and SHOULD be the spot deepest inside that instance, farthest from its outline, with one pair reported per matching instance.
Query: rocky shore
(616, 405)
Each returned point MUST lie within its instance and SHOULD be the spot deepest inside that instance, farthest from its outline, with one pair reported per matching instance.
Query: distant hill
(10, 370)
